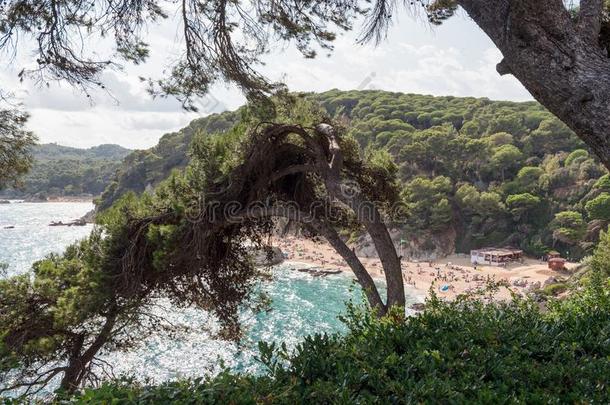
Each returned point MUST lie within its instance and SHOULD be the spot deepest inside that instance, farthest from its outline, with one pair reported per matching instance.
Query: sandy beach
(449, 276)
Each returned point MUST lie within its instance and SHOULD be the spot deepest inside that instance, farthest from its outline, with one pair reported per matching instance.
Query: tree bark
(68, 381)
(364, 278)
(370, 216)
(366, 213)
(557, 59)
(78, 363)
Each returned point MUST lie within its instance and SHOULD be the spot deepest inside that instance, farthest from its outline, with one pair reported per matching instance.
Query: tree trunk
(557, 59)
(331, 235)
(366, 213)
(364, 278)
(78, 363)
(389, 260)
(68, 381)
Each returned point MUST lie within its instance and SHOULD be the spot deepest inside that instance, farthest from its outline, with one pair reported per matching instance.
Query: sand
(455, 271)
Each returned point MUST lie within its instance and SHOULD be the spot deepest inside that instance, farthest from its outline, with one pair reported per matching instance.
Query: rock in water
(89, 217)
(318, 272)
(261, 257)
(76, 222)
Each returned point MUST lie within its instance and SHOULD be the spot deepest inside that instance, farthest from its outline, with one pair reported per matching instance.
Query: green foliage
(501, 138)
(149, 167)
(521, 205)
(427, 203)
(603, 183)
(554, 289)
(529, 175)
(576, 156)
(568, 227)
(63, 171)
(15, 145)
(506, 157)
(47, 315)
(470, 199)
(599, 207)
(468, 196)
(382, 161)
(601, 258)
(464, 351)
(52, 151)
(550, 137)
(54, 321)
(497, 148)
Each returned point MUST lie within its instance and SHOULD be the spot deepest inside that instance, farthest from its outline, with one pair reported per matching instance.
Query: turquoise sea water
(31, 238)
(301, 304)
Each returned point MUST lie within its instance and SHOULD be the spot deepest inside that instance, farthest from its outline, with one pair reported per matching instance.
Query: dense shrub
(466, 351)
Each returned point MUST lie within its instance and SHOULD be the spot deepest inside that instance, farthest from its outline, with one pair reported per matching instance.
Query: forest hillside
(66, 171)
(486, 172)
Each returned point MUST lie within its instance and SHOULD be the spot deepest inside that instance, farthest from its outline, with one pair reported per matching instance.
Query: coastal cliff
(264, 257)
(420, 246)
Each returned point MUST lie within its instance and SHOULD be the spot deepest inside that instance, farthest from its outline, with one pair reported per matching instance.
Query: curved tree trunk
(367, 214)
(557, 59)
(389, 261)
(364, 278)
(322, 155)
(330, 234)
(73, 369)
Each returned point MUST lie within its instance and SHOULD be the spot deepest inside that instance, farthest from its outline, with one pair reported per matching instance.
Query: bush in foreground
(459, 352)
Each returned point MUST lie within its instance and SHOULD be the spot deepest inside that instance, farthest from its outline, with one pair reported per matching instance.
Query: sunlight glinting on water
(301, 304)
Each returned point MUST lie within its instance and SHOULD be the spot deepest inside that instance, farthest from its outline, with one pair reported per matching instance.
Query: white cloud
(454, 59)
(135, 130)
(444, 72)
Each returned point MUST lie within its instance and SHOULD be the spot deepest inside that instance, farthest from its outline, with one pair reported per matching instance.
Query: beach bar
(495, 256)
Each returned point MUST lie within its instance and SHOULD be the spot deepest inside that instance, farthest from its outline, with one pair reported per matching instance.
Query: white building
(495, 256)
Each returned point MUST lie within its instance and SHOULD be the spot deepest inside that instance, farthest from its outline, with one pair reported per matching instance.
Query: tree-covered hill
(53, 151)
(490, 172)
(147, 167)
(65, 171)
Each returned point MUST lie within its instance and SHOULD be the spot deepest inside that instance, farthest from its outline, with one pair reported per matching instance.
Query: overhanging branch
(292, 170)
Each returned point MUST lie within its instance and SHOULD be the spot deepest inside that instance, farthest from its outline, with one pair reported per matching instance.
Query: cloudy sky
(453, 59)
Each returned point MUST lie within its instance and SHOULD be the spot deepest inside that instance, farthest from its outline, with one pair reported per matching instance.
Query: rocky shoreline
(318, 272)
(76, 222)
